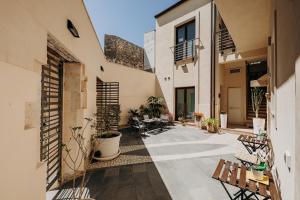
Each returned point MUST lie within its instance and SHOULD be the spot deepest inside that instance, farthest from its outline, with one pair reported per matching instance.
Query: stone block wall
(120, 51)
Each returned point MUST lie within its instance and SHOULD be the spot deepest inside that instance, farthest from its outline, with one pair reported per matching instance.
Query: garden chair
(164, 120)
(146, 117)
(233, 174)
(265, 154)
(139, 125)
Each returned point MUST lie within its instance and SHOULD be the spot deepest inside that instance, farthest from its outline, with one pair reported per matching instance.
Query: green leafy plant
(131, 114)
(155, 105)
(107, 121)
(257, 95)
(212, 124)
(144, 110)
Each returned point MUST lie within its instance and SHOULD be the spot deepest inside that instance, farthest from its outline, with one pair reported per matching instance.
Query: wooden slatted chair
(229, 173)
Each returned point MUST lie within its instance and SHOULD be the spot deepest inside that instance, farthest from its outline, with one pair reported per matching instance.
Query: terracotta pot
(211, 129)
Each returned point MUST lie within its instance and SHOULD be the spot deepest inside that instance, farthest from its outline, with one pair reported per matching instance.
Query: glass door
(185, 103)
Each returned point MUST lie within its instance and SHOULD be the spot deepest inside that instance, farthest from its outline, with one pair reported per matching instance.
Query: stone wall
(123, 52)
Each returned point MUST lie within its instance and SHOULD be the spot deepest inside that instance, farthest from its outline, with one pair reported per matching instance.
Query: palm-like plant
(257, 95)
(156, 104)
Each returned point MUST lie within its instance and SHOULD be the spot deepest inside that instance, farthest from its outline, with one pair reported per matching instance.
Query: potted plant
(106, 140)
(203, 124)
(257, 95)
(258, 171)
(181, 119)
(155, 106)
(198, 116)
(131, 114)
(212, 125)
(223, 118)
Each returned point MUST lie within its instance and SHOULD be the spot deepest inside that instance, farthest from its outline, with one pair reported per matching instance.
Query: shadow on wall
(159, 92)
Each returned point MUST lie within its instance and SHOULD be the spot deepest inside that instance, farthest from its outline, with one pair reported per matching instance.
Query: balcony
(185, 52)
(225, 42)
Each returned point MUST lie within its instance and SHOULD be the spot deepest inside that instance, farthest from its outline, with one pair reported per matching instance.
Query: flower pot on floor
(258, 125)
(107, 145)
(211, 129)
(223, 118)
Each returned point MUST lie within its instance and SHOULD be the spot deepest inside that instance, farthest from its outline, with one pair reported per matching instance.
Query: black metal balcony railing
(184, 50)
(225, 41)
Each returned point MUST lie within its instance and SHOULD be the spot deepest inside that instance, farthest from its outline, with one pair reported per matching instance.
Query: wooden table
(235, 175)
(251, 143)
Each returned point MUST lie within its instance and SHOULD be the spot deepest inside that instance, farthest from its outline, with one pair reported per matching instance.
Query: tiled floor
(175, 164)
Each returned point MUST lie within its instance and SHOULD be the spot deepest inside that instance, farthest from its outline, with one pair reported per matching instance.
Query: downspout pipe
(213, 59)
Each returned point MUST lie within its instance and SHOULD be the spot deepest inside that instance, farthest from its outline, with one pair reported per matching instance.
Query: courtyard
(174, 164)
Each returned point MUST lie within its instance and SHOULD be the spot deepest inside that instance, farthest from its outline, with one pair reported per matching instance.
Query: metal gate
(107, 96)
(51, 116)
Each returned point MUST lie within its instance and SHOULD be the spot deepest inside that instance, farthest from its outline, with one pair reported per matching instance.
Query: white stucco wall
(285, 99)
(24, 26)
(195, 74)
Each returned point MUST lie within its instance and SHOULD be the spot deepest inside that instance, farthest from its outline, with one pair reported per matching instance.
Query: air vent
(236, 70)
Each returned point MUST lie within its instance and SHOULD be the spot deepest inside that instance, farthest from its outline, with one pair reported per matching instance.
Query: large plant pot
(223, 118)
(108, 147)
(211, 129)
(258, 125)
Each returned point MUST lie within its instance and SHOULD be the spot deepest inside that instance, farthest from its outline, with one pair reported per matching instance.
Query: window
(185, 36)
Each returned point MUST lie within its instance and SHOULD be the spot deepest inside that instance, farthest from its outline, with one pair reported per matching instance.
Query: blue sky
(128, 19)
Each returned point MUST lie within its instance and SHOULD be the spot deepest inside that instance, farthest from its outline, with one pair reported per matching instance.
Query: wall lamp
(72, 28)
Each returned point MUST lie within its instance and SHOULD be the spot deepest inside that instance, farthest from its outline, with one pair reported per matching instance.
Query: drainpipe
(213, 59)
(198, 88)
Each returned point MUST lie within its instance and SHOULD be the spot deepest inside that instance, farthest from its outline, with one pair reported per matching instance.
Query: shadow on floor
(131, 176)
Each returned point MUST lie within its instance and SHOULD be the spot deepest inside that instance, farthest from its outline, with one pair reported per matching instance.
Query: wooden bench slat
(248, 139)
(240, 137)
(252, 186)
(233, 176)
(218, 169)
(242, 181)
(273, 191)
(225, 174)
(262, 189)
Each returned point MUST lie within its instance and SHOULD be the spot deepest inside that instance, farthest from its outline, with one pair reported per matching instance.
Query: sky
(128, 19)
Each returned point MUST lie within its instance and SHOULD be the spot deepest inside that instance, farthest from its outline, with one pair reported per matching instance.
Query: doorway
(235, 105)
(185, 102)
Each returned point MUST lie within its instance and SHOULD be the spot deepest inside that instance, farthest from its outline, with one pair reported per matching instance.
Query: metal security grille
(51, 116)
(107, 96)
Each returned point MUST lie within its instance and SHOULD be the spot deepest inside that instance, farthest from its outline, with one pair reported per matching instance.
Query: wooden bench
(232, 174)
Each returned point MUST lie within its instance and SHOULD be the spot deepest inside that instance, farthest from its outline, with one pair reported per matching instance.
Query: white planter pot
(223, 118)
(258, 125)
(109, 147)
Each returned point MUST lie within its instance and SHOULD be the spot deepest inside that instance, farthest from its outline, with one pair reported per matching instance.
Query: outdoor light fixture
(72, 28)
(101, 68)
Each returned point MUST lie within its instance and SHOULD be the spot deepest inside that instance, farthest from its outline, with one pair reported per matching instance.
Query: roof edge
(170, 8)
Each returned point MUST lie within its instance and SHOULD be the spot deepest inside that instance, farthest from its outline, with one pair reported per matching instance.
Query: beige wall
(23, 28)
(195, 74)
(285, 99)
(234, 80)
(135, 86)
